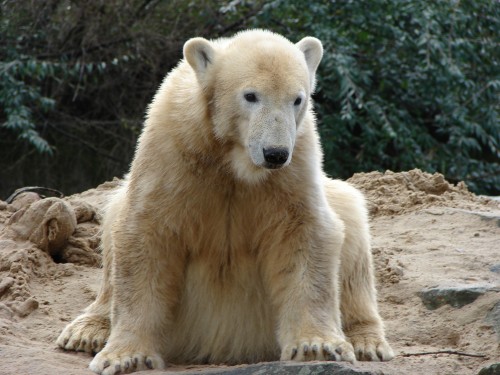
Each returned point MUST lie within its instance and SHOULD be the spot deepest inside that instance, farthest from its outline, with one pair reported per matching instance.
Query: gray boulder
(289, 368)
(493, 369)
(456, 296)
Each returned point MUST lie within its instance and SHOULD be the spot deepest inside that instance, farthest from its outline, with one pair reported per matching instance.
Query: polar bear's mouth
(272, 166)
(255, 164)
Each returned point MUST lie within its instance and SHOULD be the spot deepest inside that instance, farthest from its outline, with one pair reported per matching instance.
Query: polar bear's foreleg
(147, 277)
(361, 321)
(301, 276)
(89, 332)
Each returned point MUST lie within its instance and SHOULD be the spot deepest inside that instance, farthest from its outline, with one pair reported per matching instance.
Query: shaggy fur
(217, 253)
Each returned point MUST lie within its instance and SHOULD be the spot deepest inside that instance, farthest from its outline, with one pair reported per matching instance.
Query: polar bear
(227, 243)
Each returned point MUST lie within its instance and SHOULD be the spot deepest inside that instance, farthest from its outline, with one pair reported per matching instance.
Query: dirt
(426, 232)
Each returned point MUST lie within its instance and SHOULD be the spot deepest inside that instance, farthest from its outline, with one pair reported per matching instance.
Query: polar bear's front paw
(116, 360)
(87, 333)
(336, 349)
(371, 348)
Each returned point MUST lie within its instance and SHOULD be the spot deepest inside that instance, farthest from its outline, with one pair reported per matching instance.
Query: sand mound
(38, 237)
(392, 193)
(426, 232)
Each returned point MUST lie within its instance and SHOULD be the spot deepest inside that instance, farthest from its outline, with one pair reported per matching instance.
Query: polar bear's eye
(297, 101)
(250, 97)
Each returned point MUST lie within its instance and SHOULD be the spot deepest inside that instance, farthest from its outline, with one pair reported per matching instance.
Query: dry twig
(444, 352)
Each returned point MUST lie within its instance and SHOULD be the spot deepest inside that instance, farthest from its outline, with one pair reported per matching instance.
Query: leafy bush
(76, 77)
(403, 83)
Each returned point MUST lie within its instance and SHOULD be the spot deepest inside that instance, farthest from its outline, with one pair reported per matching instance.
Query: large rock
(283, 368)
(456, 296)
(493, 369)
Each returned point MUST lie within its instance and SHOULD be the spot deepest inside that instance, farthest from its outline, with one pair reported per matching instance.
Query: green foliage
(403, 83)
(76, 78)
(17, 97)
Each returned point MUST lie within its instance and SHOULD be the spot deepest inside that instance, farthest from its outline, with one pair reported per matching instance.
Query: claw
(315, 349)
(359, 354)
(331, 355)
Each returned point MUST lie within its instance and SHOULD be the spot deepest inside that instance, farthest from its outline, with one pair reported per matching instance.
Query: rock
(5, 284)
(495, 268)
(493, 369)
(83, 211)
(47, 223)
(493, 318)
(25, 199)
(284, 368)
(83, 246)
(486, 216)
(27, 307)
(5, 312)
(77, 252)
(456, 296)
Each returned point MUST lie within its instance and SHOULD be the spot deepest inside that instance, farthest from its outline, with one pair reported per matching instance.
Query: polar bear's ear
(313, 52)
(199, 53)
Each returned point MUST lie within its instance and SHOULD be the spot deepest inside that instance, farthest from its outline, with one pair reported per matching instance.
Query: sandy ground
(425, 231)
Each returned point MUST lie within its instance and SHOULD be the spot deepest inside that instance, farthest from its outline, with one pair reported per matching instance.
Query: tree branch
(87, 144)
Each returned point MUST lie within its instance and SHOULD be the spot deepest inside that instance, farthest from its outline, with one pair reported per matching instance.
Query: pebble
(27, 307)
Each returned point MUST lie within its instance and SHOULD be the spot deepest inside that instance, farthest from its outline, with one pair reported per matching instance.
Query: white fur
(209, 256)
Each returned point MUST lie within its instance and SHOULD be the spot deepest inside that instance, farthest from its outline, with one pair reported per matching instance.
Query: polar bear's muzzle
(275, 157)
(270, 138)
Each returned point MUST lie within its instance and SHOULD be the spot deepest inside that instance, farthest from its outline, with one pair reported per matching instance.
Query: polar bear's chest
(220, 306)
(222, 229)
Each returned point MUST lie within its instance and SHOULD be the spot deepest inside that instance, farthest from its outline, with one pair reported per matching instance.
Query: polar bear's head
(257, 86)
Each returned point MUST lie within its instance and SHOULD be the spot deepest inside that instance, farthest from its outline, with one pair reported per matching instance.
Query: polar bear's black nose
(276, 156)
